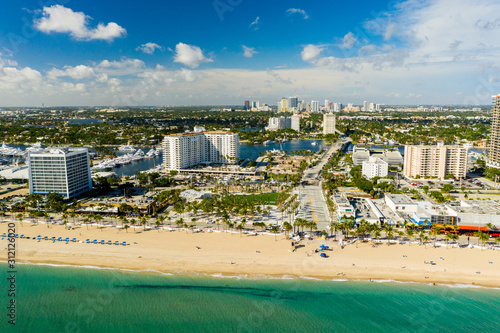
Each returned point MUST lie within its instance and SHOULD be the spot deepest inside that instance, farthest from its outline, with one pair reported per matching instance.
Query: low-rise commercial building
(392, 157)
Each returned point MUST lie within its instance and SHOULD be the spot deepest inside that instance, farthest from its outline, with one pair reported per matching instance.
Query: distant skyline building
(185, 150)
(295, 123)
(328, 123)
(436, 161)
(494, 140)
(337, 107)
(279, 123)
(247, 105)
(314, 106)
(294, 101)
(65, 171)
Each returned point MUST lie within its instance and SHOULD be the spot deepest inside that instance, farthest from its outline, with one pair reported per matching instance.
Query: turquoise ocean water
(69, 299)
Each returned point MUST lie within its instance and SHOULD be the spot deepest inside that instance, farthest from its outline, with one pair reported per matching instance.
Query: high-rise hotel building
(328, 123)
(436, 161)
(494, 140)
(64, 171)
(185, 150)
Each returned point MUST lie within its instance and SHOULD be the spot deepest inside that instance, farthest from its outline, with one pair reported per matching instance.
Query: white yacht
(127, 148)
(152, 153)
(35, 148)
(314, 143)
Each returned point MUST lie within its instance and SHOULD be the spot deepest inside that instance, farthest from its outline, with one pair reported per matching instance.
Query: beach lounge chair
(74, 240)
(16, 235)
(53, 239)
(59, 239)
(87, 241)
(102, 242)
(94, 241)
(45, 238)
(124, 243)
(323, 255)
(67, 240)
(109, 242)
(116, 243)
(69, 227)
(22, 236)
(4, 235)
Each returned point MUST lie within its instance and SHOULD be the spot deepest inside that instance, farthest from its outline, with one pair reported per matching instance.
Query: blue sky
(227, 51)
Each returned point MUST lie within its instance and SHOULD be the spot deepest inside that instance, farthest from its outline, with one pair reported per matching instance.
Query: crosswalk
(311, 201)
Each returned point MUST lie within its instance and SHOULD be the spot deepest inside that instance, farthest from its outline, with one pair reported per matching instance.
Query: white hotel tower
(185, 150)
(64, 171)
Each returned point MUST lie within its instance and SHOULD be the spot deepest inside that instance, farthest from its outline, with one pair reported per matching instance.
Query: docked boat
(6, 150)
(127, 148)
(35, 148)
(152, 153)
(314, 143)
(139, 153)
(268, 142)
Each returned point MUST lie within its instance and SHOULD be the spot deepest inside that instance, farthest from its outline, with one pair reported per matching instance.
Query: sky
(223, 52)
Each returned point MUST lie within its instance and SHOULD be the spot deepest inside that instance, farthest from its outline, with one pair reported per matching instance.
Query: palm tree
(275, 231)
(126, 226)
(287, 227)
(497, 240)
(409, 233)
(241, 227)
(2, 215)
(98, 218)
(133, 222)
(449, 236)
(179, 222)
(482, 236)
(20, 218)
(144, 220)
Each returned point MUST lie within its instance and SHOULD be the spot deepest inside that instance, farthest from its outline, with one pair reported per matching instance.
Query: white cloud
(248, 51)
(255, 24)
(389, 30)
(348, 41)
(311, 52)
(124, 66)
(298, 11)
(469, 30)
(149, 48)
(190, 55)
(77, 73)
(60, 19)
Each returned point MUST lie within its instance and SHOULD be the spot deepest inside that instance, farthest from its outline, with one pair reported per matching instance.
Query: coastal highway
(310, 191)
(311, 175)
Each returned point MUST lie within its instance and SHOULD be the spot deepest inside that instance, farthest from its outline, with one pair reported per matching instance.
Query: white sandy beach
(235, 254)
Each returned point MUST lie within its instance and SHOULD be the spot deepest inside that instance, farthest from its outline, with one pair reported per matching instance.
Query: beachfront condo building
(435, 161)
(64, 171)
(494, 141)
(328, 123)
(185, 150)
